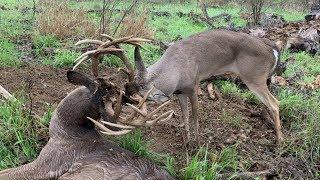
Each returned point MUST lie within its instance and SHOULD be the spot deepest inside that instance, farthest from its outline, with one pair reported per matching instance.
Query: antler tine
(89, 41)
(115, 41)
(157, 110)
(110, 38)
(139, 40)
(88, 54)
(145, 118)
(107, 131)
(104, 48)
(140, 104)
(164, 117)
(137, 110)
(97, 51)
(128, 124)
(118, 108)
(125, 40)
(145, 97)
(131, 40)
(117, 125)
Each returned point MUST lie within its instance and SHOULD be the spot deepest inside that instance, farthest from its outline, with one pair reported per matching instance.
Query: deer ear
(78, 78)
(138, 60)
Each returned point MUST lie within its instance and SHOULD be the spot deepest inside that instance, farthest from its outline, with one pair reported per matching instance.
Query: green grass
(19, 134)
(304, 65)
(135, 143)
(299, 110)
(301, 113)
(9, 56)
(16, 22)
(206, 165)
(203, 165)
(230, 89)
(43, 42)
(62, 58)
(172, 28)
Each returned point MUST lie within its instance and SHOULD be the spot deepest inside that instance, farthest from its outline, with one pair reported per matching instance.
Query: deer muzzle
(158, 96)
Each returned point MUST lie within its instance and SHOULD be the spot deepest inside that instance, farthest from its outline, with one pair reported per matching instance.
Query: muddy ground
(253, 134)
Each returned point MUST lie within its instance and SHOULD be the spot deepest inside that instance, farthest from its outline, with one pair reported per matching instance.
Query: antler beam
(105, 48)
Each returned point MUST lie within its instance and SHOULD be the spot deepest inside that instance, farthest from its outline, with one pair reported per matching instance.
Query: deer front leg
(183, 101)
(194, 106)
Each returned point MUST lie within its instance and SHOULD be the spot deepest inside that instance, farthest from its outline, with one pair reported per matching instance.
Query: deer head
(69, 119)
(143, 81)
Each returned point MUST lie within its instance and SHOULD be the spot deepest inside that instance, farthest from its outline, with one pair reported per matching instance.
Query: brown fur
(210, 53)
(76, 150)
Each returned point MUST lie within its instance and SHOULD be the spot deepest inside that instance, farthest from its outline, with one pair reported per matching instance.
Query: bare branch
(5, 93)
(124, 15)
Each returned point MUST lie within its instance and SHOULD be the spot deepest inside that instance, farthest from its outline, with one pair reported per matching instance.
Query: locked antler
(138, 118)
(105, 48)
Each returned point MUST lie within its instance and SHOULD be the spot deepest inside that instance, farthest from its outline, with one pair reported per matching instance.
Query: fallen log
(5, 93)
(246, 175)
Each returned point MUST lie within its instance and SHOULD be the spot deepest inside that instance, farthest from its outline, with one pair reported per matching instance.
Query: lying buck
(199, 57)
(76, 150)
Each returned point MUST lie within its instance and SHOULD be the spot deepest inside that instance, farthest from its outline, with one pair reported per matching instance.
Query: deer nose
(160, 98)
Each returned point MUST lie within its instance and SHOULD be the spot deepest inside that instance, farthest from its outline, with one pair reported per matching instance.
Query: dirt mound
(290, 29)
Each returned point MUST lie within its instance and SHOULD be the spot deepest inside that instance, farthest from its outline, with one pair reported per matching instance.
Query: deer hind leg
(261, 90)
(183, 101)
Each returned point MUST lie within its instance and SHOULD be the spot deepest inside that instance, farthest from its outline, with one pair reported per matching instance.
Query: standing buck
(199, 57)
(76, 150)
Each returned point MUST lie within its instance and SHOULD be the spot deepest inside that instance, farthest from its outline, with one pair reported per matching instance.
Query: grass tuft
(62, 58)
(9, 56)
(205, 165)
(43, 43)
(230, 89)
(18, 134)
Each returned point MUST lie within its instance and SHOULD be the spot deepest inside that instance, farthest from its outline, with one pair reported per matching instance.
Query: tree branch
(5, 93)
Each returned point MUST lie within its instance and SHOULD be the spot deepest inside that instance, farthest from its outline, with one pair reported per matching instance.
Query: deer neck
(152, 75)
(69, 120)
(159, 76)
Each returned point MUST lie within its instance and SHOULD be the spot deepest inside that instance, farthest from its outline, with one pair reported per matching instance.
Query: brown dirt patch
(222, 123)
(45, 85)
